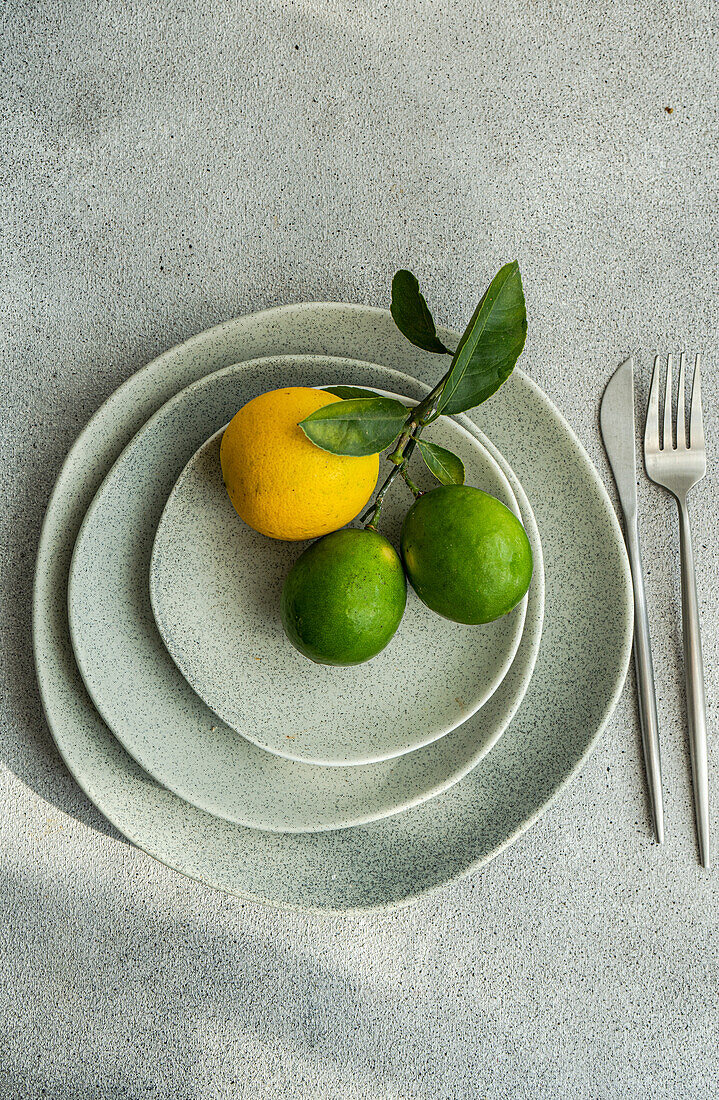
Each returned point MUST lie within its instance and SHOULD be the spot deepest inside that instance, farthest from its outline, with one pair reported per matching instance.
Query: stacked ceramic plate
(193, 724)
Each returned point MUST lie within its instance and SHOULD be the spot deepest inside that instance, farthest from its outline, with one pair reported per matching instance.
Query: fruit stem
(397, 455)
(373, 512)
(417, 492)
(400, 457)
(426, 411)
(422, 415)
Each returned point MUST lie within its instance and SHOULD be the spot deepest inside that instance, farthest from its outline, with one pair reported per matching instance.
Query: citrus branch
(422, 415)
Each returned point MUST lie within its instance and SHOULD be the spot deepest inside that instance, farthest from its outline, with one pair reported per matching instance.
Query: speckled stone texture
(167, 166)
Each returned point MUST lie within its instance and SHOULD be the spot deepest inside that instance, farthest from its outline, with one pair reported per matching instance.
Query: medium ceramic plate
(145, 699)
(577, 679)
(215, 587)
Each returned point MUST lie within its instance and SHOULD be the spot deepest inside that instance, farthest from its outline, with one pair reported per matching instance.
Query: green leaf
(411, 314)
(490, 346)
(446, 466)
(348, 392)
(361, 426)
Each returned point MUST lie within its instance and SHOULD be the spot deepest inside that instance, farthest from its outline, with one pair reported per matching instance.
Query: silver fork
(678, 469)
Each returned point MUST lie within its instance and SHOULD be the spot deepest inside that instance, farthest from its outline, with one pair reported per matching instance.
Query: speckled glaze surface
(215, 587)
(579, 672)
(150, 707)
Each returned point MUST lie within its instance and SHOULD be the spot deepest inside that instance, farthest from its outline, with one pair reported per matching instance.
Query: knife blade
(616, 420)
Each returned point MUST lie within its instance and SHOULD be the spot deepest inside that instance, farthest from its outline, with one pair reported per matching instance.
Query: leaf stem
(400, 457)
(373, 512)
(427, 411)
(416, 492)
(422, 414)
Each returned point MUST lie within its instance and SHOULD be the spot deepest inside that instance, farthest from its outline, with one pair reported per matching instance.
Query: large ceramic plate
(144, 698)
(581, 667)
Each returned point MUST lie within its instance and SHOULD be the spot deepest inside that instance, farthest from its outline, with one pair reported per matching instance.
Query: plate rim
(71, 457)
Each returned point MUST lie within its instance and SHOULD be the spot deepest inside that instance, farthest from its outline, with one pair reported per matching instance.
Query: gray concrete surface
(168, 165)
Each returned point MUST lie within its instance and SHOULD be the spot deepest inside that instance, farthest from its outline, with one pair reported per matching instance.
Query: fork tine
(696, 425)
(681, 415)
(667, 437)
(651, 428)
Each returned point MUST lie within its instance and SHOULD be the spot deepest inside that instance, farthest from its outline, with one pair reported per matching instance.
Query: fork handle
(694, 676)
(645, 682)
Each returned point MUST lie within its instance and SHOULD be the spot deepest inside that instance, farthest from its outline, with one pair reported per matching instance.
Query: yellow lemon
(282, 484)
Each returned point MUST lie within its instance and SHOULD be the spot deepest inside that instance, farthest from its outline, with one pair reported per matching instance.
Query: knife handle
(645, 682)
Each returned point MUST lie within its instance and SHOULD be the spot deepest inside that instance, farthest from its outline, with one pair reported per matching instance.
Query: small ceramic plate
(586, 644)
(146, 700)
(215, 587)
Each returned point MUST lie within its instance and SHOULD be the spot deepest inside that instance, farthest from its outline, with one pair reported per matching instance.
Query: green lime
(466, 555)
(344, 597)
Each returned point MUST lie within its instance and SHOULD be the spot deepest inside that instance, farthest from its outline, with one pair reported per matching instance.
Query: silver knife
(616, 418)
